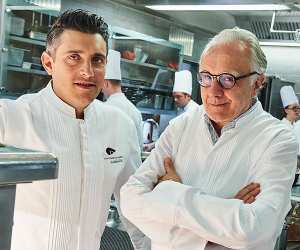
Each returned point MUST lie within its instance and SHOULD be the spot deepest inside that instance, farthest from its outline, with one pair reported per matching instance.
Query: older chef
(182, 91)
(217, 150)
(96, 144)
(113, 92)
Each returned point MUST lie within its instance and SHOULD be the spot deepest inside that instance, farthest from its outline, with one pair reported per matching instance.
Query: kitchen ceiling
(283, 60)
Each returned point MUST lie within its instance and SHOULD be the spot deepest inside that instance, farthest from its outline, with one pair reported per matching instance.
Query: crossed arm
(247, 194)
(246, 220)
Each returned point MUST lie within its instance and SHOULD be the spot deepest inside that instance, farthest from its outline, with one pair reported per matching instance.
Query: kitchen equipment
(158, 100)
(19, 166)
(128, 55)
(113, 220)
(168, 102)
(138, 53)
(17, 26)
(16, 56)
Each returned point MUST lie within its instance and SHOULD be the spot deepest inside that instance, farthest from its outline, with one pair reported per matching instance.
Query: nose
(87, 70)
(215, 88)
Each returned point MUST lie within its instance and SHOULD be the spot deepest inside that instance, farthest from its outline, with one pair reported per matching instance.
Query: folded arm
(228, 222)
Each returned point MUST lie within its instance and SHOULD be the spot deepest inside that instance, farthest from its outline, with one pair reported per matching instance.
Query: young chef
(96, 144)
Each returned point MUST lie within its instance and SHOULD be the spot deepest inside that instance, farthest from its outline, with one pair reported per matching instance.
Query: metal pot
(158, 100)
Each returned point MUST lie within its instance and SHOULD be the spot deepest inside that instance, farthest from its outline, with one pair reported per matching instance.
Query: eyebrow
(81, 51)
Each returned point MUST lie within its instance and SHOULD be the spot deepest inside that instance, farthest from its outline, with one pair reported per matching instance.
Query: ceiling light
(219, 7)
(281, 44)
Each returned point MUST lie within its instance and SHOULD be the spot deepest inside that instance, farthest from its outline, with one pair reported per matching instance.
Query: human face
(77, 67)
(224, 105)
(292, 111)
(181, 99)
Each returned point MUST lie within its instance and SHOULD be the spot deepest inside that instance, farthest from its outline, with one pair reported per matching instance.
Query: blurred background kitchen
(156, 38)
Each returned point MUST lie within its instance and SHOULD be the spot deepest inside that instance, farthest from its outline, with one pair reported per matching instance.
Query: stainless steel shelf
(133, 35)
(147, 65)
(28, 71)
(27, 40)
(157, 111)
(146, 88)
(40, 9)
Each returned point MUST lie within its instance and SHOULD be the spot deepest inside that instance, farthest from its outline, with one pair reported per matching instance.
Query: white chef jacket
(120, 101)
(68, 213)
(295, 127)
(186, 216)
(191, 106)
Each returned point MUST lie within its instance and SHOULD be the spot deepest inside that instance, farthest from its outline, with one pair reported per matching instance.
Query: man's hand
(248, 193)
(171, 174)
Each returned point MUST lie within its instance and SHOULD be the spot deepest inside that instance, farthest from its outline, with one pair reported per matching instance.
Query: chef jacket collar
(234, 123)
(60, 104)
(116, 95)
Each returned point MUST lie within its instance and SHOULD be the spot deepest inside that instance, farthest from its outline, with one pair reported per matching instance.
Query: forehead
(71, 40)
(230, 57)
(178, 94)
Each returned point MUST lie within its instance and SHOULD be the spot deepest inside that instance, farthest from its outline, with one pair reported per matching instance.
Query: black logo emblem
(110, 151)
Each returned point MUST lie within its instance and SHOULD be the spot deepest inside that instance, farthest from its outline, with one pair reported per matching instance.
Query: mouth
(218, 104)
(85, 85)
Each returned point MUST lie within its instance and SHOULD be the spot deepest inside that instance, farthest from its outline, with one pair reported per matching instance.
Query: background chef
(182, 91)
(113, 92)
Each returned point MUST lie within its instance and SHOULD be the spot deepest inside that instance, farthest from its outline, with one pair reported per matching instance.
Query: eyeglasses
(294, 108)
(226, 80)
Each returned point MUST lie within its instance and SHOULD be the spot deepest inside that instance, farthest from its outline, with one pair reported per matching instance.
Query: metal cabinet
(23, 29)
(148, 66)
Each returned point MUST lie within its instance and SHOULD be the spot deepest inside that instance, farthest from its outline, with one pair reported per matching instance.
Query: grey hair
(258, 60)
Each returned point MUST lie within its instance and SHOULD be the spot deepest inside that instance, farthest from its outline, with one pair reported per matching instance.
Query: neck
(79, 114)
(290, 119)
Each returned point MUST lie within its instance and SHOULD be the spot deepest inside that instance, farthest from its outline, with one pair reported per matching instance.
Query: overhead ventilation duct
(294, 31)
(285, 27)
(184, 38)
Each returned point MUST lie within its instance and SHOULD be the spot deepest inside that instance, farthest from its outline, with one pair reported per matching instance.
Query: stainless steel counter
(19, 166)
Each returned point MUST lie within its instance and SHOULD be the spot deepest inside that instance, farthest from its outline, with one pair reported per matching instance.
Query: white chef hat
(183, 82)
(288, 96)
(113, 68)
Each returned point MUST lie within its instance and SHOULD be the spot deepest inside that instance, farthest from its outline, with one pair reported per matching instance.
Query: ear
(47, 62)
(105, 85)
(258, 84)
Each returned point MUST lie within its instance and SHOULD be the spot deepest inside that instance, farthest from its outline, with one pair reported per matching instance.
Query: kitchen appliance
(158, 101)
(16, 56)
(19, 166)
(168, 102)
(17, 26)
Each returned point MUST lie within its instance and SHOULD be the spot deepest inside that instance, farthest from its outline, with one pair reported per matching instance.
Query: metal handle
(4, 50)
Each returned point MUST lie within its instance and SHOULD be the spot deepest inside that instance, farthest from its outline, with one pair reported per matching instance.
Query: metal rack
(154, 74)
(18, 78)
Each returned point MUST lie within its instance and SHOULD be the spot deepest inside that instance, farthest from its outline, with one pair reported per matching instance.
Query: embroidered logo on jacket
(110, 151)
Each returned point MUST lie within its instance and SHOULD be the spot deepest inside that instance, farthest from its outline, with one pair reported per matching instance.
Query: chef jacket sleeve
(138, 239)
(229, 222)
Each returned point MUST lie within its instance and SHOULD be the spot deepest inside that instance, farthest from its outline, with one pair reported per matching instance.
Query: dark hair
(78, 20)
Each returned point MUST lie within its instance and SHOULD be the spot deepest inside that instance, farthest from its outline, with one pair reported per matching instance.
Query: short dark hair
(78, 20)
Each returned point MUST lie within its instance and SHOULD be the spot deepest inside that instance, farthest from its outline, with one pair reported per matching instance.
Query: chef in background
(291, 106)
(113, 92)
(291, 109)
(182, 91)
(96, 144)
